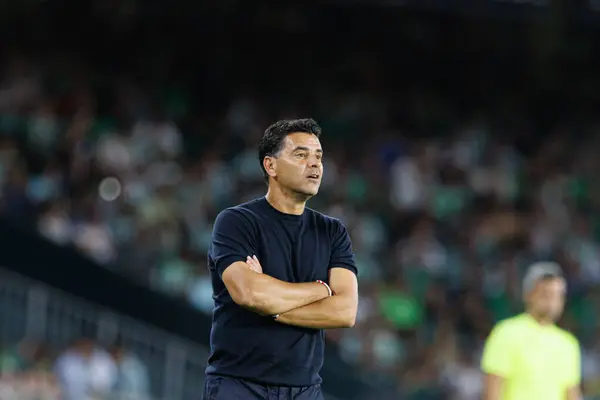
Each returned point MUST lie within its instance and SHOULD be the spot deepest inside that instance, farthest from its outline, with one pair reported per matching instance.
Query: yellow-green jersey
(538, 362)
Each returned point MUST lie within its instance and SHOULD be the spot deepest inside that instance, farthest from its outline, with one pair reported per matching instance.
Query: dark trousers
(224, 388)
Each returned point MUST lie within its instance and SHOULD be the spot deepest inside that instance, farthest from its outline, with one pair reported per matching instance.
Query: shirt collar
(533, 322)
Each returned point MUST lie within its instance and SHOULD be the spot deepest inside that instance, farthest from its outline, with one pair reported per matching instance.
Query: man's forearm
(271, 296)
(493, 386)
(332, 312)
(574, 393)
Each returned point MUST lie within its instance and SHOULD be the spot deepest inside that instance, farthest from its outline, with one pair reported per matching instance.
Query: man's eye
(301, 155)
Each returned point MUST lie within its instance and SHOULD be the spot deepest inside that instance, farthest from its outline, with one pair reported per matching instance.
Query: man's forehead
(554, 282)
(302, 139)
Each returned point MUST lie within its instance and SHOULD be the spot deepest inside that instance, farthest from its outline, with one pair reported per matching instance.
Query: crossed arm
(305, 305)
(337, 311)
(266, 295)
(301, 304)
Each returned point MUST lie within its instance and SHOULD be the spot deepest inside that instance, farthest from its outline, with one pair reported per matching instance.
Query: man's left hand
(254, 265)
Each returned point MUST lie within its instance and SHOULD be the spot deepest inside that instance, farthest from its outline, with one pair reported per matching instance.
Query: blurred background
(461, 142)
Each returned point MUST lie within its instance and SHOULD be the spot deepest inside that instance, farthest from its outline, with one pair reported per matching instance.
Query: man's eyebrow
(304, 148)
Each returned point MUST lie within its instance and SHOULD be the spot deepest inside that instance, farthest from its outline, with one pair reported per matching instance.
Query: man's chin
(307, 193)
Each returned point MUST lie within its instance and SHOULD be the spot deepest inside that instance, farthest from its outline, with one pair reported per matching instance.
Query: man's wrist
(329, 291)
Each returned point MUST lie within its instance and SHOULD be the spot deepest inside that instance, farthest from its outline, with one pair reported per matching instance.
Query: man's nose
(314, 162)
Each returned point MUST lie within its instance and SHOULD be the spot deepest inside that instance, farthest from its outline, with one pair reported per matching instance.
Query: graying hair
(539, 271)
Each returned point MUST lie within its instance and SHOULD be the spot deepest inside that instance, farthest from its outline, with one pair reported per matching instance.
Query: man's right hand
(254, 265)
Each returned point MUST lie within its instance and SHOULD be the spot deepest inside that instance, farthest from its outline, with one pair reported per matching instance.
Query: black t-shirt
(292, 248)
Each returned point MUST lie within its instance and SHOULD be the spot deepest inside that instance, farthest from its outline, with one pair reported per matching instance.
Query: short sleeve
(573, 364)
(342, 255)
(232, 240)
(497, 354)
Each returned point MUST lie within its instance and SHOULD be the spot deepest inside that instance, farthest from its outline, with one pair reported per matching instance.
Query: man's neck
(540, 320)
(284, 201)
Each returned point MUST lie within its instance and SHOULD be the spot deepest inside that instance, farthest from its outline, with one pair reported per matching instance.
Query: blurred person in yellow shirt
(527, 357)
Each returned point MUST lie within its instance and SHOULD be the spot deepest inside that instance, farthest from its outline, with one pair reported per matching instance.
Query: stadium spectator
(132, 382)
(86, 371)
(26, 372)
(18, 358)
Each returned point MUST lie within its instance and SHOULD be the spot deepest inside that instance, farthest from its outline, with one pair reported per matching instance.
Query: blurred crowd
(444, 214)
(30, 370)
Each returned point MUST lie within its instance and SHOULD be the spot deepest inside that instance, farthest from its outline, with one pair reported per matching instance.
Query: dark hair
(272, 140)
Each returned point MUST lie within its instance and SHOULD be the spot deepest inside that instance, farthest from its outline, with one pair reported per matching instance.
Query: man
(281, 273)
(528, 356)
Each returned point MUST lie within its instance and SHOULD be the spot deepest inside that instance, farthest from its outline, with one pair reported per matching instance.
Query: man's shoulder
(510, 325)
(501, 339)
(324, 218)
(517, 324)
(242, 211)
(567, 338)
(252, 205)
